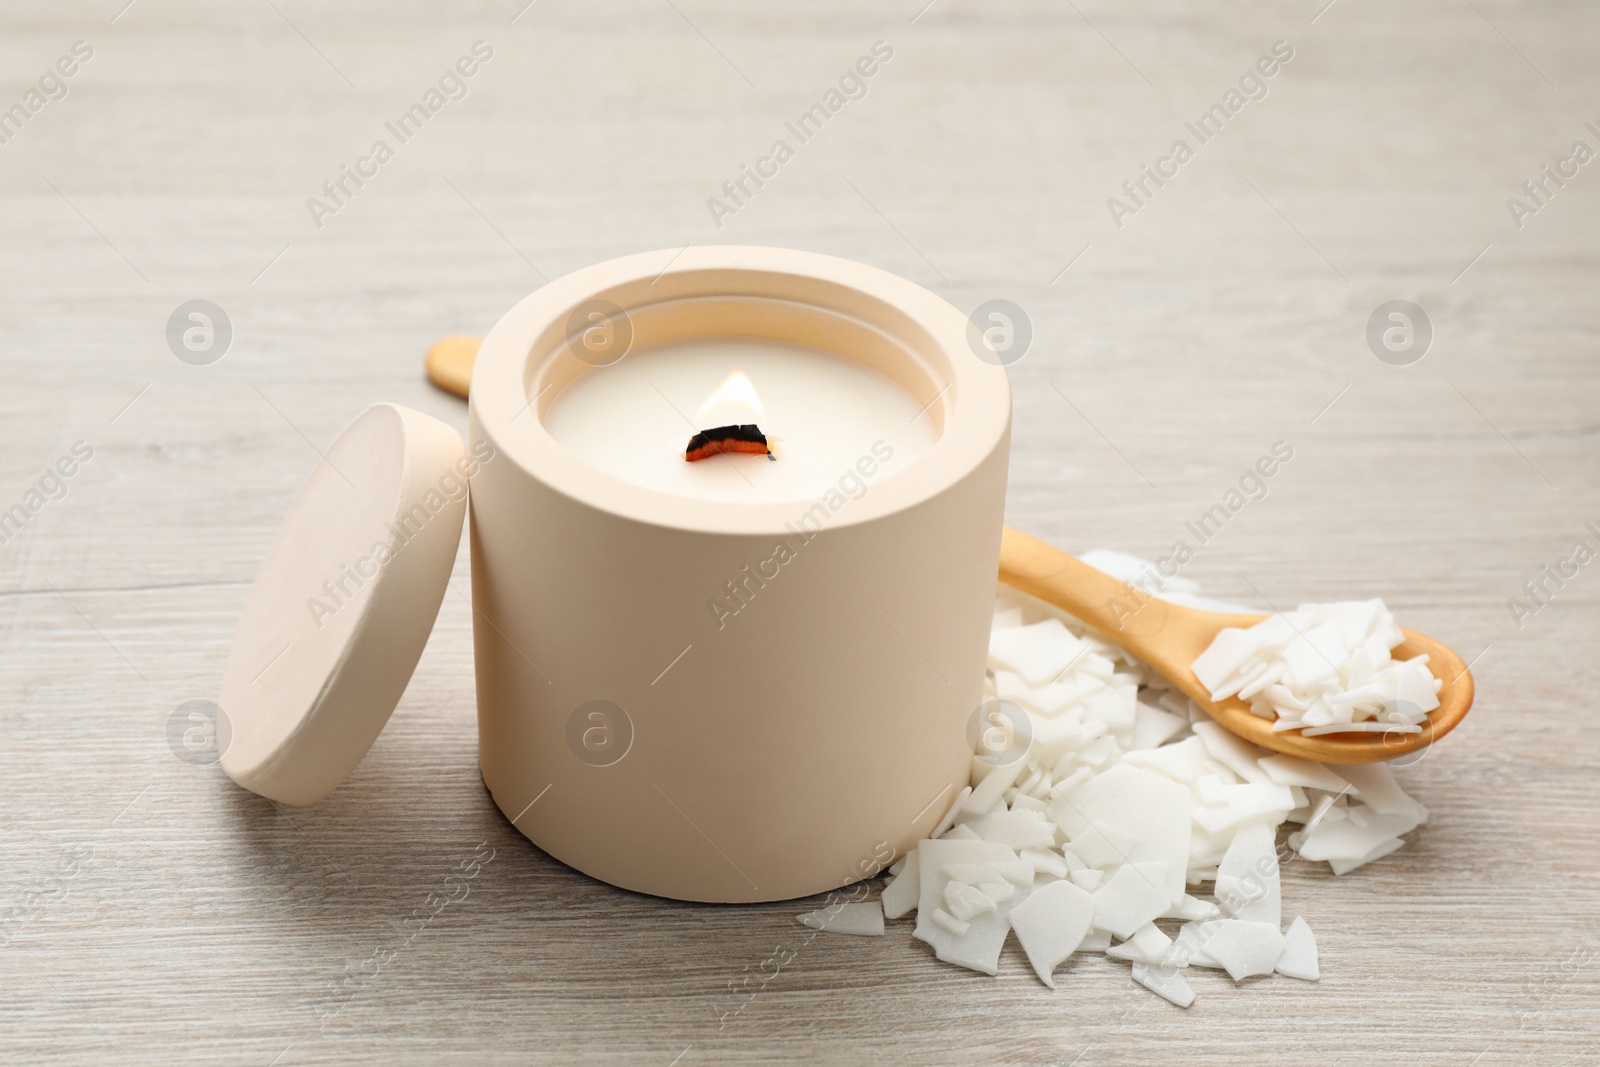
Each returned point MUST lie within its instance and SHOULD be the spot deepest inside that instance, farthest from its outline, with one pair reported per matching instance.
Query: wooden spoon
(1164, 635)
(449, 363)
(1169, 637)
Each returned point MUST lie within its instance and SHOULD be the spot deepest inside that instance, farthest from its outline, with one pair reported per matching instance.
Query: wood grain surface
(153, 912)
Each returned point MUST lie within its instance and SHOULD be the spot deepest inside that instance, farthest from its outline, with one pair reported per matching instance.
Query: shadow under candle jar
(745, 678)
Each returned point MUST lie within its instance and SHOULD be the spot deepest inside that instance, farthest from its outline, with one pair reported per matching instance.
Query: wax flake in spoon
(1133, 825)
(1323, 669)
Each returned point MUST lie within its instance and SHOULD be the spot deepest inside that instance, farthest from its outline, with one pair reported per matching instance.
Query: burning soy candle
(739, 678)
(824, 413)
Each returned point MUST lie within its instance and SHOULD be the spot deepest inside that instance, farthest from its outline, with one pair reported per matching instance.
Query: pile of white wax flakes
(1102, 804)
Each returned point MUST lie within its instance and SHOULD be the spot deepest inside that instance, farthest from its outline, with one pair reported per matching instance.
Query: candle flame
(735, 401)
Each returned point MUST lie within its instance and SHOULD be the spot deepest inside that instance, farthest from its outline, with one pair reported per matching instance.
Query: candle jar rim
(601, 313)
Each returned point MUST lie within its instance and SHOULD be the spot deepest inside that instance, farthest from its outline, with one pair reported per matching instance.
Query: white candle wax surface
(633, 418)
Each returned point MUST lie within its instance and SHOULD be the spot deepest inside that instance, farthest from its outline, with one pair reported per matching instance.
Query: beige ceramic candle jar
(790, 746)
(723, 697)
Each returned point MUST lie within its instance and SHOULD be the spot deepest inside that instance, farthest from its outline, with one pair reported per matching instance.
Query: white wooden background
(153, 912)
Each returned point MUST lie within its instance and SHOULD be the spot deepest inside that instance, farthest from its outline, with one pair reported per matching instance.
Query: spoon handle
(1166, 636)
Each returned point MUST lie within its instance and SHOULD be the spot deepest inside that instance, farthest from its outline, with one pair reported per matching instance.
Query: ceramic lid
(343, 604)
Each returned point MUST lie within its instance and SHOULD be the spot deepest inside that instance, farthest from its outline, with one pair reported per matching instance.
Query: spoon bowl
(1169, 637)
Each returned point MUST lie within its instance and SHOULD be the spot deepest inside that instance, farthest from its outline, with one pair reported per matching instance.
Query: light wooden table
(154, 912)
